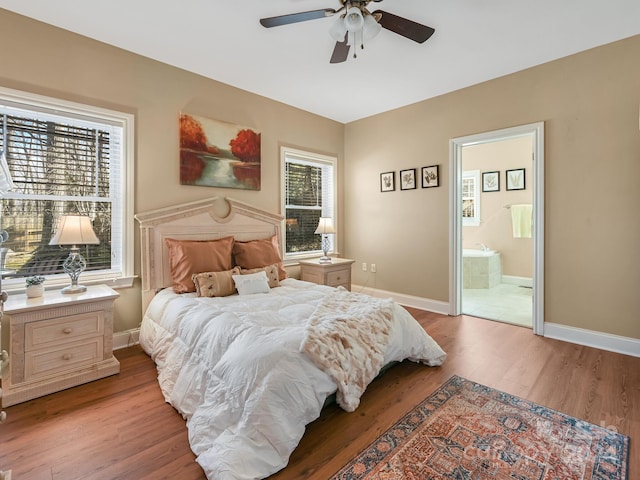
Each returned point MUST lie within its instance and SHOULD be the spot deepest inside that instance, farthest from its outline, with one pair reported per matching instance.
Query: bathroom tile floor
(504, 303)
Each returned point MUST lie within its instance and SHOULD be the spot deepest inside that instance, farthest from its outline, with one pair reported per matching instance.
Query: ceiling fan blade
(296, 17)
(407, 28)
(340, 52)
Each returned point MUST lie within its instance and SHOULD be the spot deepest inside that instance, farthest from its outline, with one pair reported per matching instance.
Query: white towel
(522, 220)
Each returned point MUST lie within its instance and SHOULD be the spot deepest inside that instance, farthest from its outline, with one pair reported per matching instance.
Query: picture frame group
(514, 179)
(407, 179)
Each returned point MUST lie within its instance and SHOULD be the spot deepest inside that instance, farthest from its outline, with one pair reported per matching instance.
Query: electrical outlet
(373, 268)
(364, 267)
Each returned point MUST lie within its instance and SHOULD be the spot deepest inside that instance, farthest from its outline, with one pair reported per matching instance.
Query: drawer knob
(66, 356)
(67, 330)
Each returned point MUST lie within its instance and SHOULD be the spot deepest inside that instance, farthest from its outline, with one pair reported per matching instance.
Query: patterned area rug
(466, 431)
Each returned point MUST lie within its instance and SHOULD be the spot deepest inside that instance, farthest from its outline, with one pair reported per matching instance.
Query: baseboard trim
(125, 339)
(408, 300)
(590, 338)
(578, 336)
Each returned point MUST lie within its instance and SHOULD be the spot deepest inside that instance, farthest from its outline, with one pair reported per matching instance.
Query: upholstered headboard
(195, 221)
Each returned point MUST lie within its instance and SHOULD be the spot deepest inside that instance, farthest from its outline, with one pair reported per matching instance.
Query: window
(65, 158)
(471, 198)
(309, 192)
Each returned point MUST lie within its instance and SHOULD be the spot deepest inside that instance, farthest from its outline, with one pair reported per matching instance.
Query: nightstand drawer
(50, 361)
(312, 276)
(62, 330)
(340, 277)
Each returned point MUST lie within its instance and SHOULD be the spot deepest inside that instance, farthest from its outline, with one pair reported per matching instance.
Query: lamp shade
(371, 27)
(353, 19)
(74, 230)
(338, 29)
(325, 225)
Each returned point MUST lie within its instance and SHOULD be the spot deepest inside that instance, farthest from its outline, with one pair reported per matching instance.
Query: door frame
(536, 131)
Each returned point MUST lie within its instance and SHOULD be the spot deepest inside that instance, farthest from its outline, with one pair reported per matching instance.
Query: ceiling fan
(355, 25)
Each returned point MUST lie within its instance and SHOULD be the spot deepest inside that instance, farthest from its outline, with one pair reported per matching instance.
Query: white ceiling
(475, 41)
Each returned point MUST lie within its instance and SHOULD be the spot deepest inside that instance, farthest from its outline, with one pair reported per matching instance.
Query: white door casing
(536, 131)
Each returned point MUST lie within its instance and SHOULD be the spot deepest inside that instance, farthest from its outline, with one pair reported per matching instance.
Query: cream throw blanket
(346, 337)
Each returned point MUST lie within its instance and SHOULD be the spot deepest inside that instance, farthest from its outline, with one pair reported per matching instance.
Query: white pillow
(252, 283)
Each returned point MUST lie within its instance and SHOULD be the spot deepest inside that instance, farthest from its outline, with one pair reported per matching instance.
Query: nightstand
(58, 341)
(337, 273)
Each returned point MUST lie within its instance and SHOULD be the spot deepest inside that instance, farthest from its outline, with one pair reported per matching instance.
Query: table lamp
(325, 226)
(74, 230)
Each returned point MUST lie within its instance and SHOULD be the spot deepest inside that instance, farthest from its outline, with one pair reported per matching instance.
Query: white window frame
(318, 159)
(124, 233)
(474, 176)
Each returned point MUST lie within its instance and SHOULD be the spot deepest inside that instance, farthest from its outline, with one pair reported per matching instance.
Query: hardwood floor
(121, 428)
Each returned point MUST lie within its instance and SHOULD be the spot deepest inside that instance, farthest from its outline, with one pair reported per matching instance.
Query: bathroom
(497, 237)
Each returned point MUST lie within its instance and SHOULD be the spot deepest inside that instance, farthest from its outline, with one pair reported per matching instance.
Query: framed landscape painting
(218, 154)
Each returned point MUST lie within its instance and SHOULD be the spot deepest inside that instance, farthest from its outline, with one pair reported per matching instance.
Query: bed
(250, 357)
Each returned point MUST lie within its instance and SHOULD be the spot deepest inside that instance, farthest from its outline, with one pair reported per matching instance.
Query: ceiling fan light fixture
(338, 29)
(354, 20)
(371, 27)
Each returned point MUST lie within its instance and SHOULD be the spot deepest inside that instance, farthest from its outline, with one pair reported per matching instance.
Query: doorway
(517, 191)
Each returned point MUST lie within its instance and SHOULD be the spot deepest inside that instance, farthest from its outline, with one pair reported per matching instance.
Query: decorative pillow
(215, 284)
(252, 283)
(258, 254)
(187, 257)
(271, 271)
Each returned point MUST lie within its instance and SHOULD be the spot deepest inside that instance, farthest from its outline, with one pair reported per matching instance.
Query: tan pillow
(187, 257)
(271, 271)
(215, 284)
(258, 254)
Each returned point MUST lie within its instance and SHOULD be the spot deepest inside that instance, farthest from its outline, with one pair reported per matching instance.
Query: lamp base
(73, 266)
(72, 289)
(325, 258)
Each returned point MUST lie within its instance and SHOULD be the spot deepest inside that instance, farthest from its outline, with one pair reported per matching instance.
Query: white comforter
(233, 368)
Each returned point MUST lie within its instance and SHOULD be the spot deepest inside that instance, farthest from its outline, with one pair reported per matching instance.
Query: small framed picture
(387, 181)
(490, 181)
(431, 176)
(408, 179)
(515, 179)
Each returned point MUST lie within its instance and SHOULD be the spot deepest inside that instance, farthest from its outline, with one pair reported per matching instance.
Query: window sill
(111, 281)
(295, 261)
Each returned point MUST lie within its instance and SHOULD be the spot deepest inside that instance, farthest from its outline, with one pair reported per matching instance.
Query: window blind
(309, 193)
(60, 164)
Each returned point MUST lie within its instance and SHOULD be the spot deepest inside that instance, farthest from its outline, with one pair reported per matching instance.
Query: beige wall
(589, 103)
(495, 229)
(45, 60)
